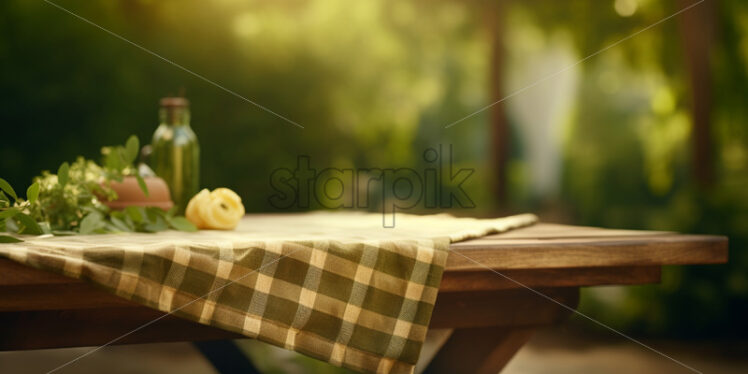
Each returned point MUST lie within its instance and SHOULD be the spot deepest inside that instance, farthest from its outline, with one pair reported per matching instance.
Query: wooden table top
(41, 310)
(560, 246)
(539, 255)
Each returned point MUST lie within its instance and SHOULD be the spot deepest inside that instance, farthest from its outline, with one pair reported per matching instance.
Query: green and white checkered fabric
(335, 286)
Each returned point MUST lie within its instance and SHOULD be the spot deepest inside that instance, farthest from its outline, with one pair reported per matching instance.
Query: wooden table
(491, 311)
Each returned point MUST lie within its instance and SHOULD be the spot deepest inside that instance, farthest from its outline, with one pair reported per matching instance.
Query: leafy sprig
(70, 202)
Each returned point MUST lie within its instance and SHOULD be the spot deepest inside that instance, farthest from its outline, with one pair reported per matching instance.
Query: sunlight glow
(625, 8)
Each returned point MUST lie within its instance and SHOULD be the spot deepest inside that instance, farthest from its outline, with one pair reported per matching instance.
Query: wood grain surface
(559, 246)
(484, 287)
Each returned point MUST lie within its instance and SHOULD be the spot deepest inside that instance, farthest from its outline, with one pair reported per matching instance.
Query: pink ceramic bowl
(129, 194)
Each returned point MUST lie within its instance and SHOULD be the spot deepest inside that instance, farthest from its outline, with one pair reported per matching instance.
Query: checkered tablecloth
(335, 286)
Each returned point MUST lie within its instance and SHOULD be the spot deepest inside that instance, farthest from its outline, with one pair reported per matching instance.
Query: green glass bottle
(175, 153)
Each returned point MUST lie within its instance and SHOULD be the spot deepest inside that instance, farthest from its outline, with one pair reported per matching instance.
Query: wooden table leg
(491, 326)
(479, 350)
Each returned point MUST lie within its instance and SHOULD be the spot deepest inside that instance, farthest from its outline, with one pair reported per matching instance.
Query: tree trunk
(499, 127)
(697, 32)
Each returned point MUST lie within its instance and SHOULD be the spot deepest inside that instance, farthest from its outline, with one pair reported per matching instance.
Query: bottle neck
(174, 116)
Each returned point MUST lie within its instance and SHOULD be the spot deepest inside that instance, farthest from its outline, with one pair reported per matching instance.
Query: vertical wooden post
(697, 30)
(499, 128)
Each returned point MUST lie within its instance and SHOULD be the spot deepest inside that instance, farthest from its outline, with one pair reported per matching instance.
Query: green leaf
(11, 225)
(182, 224)
(90, 223)
(107, 228)
(128, 220)
(45, 227)
(117, 214)
(158, 224)
(9, 239)
(114, 159)
(134, 213)
(153, 213)
(142, 184)
(29, 224)
(32, 193)
(121, 224)
(10, 212)
(63, 174)
(123, 156)
(171, 212)
(5, 186)
(131, 149)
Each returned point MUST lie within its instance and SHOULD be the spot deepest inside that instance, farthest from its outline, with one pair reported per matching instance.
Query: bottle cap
(174, 102)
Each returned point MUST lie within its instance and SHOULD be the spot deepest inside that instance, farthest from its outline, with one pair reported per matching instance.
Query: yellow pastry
(221, 209)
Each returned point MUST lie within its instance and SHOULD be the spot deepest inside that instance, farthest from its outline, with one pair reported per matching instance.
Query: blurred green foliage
(374, 84)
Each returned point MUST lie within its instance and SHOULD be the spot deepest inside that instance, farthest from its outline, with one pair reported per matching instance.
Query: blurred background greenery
(609, 142)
